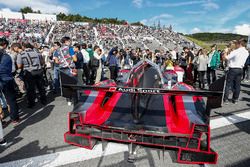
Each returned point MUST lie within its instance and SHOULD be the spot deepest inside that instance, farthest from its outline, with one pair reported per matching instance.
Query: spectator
(90, 51)
(173, 55)
(31, 63)
(236, 60)
(195, 67)
(247, 65)
(66, 53)
(230, 47)
(189, 57)
(183, 64)
(78, 60)
(57, 58)
(17, 48)
(246, 70)
(179, 71)
(213, 64)
(85, 63)
(3, 142)
(202, 66)
(98, 55)
(7, 84)
(92, 64)
(112, 61)
(48, 60)
(134, 56)
(3, 111)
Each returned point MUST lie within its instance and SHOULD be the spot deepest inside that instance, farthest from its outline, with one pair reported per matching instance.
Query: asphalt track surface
(38, 139)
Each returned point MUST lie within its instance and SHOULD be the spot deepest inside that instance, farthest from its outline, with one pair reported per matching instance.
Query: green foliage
(28, 9)
(198, 42)
(205, 40)
(79, 18)
(216, 37)
(137, 24)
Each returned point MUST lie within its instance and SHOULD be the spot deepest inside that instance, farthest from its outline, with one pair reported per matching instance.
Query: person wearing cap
(236, 61)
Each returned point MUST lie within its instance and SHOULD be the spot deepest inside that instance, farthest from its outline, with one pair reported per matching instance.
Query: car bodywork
(145, 107)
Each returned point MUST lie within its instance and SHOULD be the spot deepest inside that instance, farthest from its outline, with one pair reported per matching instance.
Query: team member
(236, 60)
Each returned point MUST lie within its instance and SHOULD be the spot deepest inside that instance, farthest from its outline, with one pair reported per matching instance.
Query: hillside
(206, 45)
(205, 40)
(216, 37)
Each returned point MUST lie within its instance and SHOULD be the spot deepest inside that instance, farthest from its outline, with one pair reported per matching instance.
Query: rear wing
(150, 91)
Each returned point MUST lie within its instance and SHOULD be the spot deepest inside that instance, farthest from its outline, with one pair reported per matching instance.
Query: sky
(185, 16)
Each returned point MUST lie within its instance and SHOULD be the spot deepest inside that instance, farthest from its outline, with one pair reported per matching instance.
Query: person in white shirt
(86, 59)
(236, 61)
(173, 55)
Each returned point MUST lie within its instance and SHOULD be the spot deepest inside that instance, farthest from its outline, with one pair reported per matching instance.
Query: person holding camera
(236, 61)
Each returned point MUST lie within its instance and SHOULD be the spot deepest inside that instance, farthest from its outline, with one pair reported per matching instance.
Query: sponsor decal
(137, 90)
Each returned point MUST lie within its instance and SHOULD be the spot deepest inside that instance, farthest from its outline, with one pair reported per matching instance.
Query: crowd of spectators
(24, 30)
(93, 53)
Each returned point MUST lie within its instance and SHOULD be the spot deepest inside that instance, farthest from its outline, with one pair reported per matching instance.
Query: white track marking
(67, 157)
(229, 120)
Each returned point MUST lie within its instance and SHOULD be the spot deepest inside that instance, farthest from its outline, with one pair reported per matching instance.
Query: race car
(145, 107)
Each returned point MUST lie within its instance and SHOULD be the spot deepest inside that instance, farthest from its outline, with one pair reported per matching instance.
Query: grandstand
(44, 28)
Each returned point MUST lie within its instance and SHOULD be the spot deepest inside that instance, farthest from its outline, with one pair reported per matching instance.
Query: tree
(61, 16)
(26, 9)
(137, 24)
(79, 18)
